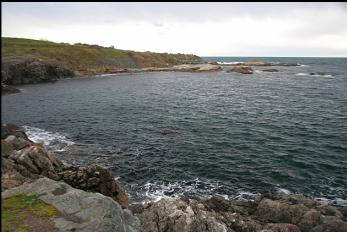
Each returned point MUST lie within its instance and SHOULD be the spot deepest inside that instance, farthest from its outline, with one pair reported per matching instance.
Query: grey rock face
(26, 70)
(81, 211)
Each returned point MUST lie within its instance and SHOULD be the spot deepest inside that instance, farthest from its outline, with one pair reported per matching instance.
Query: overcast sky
(205, 29)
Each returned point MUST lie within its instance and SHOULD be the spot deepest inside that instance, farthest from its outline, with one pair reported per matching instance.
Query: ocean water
(200, 134)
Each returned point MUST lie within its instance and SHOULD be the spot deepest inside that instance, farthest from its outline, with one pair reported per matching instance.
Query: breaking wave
(53, 141)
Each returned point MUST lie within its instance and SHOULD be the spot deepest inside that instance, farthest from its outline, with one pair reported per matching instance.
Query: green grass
(89, 56)
(12, 216)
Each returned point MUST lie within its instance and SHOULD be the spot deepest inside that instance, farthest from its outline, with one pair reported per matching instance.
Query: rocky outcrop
(17, 70)
(242, 69)
(292, 213)
(79, 210)
(24, 160)
(197, 68)
(95, 179)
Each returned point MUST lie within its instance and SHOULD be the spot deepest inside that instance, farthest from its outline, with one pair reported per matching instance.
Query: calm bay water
(228, 134)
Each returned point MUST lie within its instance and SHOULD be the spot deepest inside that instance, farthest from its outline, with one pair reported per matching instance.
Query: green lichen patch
(20, 211)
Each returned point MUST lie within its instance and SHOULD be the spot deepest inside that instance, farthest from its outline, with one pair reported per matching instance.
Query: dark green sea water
(170, 133)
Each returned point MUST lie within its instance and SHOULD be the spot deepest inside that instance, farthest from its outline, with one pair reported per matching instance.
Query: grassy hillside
(79, 56)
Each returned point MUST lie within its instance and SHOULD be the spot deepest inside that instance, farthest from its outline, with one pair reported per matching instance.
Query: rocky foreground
(88, 198)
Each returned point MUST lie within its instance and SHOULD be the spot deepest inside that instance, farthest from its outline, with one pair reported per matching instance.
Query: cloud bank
(205, 29)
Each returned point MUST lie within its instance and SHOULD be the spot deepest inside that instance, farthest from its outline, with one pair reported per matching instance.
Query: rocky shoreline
(89, 198)
(24, 70)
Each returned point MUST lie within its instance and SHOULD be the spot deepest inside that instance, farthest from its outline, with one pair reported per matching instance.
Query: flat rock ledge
(79, 210)
(197, 68)
(290, 213)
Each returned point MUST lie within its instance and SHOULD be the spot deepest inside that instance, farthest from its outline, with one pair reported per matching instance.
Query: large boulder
(79, 210)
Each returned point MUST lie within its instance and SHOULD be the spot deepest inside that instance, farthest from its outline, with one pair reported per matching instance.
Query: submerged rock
(270, 70)
(242, 69)
(79, 210)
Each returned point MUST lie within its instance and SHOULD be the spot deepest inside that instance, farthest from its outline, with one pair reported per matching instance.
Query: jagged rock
(180, 215)
(242, 69)
(280, 227)
(268, 213)
(17, 142)
(95, 179)
(79, 210)
(24, 160)
(280, 212)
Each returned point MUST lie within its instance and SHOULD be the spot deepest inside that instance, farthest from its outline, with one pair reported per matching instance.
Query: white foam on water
(205, 189)
(245, 195)
(258, 71)
(301, 74)
(229, 63)
(336, 201)
(104, 75)
(314, 75)
(51, 140)
(283, 191)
